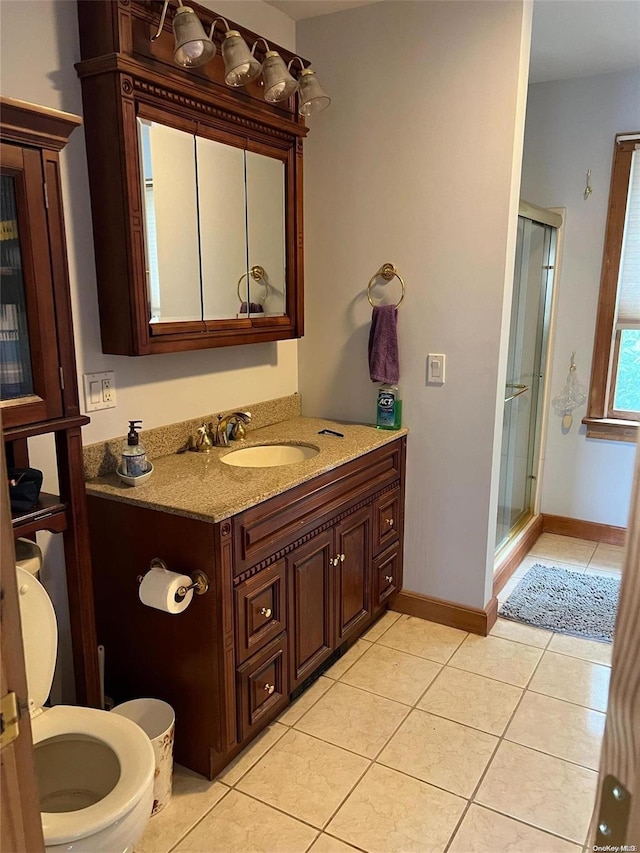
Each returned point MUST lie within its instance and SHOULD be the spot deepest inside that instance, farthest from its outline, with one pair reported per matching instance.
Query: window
(614, 396)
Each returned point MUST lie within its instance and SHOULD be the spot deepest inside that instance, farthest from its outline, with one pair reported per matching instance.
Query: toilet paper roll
(159, 589)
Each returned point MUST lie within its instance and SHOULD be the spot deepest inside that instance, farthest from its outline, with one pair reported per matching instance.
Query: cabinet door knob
(389, 522)
(266, 612)
(342, 558)
(269, 688)
(388, 578)
(336, 561)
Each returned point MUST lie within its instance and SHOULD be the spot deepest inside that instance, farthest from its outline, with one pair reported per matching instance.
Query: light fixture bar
(194, 47)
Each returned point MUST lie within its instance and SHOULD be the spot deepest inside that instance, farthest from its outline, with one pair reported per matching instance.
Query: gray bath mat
(566, 602)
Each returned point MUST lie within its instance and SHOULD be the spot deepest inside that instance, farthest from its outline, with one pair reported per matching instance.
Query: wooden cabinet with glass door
(38, 381)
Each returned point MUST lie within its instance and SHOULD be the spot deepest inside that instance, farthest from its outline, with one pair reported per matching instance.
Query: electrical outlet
(108, 393)
(99, 391)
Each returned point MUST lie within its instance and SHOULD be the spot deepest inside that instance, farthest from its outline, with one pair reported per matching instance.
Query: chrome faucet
(221, 433)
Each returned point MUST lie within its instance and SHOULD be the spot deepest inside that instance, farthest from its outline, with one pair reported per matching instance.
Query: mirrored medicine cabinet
(196, 193)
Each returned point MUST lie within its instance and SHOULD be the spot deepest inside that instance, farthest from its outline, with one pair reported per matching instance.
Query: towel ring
(388, 272)
(257, 274)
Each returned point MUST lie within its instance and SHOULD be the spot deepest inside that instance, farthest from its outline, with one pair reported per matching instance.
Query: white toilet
(95, 770)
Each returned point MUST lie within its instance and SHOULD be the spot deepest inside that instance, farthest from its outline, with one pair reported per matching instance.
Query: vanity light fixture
(240, 65)
(311, 96)
(279, 84)
(192, 45)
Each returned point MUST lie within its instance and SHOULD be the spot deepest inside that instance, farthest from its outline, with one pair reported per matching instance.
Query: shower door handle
(521, 390)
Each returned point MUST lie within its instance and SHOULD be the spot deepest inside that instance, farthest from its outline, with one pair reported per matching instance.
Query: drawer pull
(388, 578)
(389, 522)
(266, 612)
(269, 688)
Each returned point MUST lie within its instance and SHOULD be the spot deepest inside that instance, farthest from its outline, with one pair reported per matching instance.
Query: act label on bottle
(386, 409)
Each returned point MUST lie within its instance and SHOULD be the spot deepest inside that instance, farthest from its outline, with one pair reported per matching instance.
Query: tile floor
(421, 738)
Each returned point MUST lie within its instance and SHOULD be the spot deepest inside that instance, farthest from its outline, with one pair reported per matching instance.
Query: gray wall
(570, 127)
(417, 162)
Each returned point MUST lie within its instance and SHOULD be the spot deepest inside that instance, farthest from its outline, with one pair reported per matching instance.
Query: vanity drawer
(266, 527)
(386, 520)
(387, 575)
(261, 610)
(263, 689)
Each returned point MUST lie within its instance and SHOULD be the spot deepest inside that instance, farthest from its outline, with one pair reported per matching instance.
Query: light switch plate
(435, 368)
(99, 391)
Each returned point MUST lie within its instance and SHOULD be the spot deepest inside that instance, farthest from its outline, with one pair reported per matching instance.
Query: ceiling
(300, 9)
(571, 38)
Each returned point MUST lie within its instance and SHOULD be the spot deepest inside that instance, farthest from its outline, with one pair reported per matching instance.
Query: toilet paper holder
(200, 582)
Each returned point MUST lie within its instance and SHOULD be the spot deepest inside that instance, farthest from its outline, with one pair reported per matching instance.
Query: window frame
(601, 420)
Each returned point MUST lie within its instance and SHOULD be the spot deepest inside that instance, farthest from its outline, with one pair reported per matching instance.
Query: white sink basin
(269, 455)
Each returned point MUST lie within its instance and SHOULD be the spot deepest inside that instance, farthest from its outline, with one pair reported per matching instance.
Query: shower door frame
(553, 217)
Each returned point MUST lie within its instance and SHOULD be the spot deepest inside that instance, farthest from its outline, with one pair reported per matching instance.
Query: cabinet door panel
(310, 605)
(353, 573)
(29, 360)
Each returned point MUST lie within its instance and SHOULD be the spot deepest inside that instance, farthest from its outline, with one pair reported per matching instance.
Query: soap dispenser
(134, 455)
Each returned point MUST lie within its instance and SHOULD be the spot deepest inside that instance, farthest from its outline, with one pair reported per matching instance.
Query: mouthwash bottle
(389, 409)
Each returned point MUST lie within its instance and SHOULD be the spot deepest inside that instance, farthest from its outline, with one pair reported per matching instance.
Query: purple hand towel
(384, 364)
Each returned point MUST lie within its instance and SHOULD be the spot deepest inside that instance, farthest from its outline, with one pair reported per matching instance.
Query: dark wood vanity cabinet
(292, 581)
(188, 178)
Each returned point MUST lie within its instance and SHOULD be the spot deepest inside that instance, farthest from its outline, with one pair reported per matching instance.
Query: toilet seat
(133, 750)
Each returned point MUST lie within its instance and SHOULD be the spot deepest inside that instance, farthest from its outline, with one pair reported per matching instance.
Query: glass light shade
(193, 45)
(278, 82)
(240, 66)
(312, 97)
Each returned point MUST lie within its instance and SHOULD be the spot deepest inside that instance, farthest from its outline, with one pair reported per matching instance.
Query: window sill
(611, 429)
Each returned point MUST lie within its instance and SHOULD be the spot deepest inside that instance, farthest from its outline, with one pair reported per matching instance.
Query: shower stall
(526, 369)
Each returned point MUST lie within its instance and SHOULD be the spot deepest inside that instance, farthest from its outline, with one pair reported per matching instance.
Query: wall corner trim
(460, 616)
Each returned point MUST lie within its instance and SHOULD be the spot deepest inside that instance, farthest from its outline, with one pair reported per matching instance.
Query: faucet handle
(203, 441)
(238, 431)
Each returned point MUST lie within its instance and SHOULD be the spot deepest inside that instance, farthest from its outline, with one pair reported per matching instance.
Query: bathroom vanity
(300, 558)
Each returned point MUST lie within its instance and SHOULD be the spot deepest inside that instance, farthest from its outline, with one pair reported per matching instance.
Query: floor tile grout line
(282, 811)
(199, 821)
(503, 739)
(313, 704)
(339, 746)
(422, 657)
(372, 761)
(568, 701)
(260, 757)
(471, 798)
(550, 754)
(526, 823)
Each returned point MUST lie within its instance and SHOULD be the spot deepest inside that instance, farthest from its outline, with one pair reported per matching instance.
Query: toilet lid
(39, 635)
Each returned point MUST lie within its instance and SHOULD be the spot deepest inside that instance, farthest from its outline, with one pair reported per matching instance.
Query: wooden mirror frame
(121, 71)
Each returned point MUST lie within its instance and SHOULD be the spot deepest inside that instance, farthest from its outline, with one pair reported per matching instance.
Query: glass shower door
(525, 371)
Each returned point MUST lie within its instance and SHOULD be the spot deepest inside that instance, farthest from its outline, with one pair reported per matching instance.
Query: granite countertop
(199, 486)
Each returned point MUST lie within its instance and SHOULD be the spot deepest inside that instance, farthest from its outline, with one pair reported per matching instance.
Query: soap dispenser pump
(134, 455)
